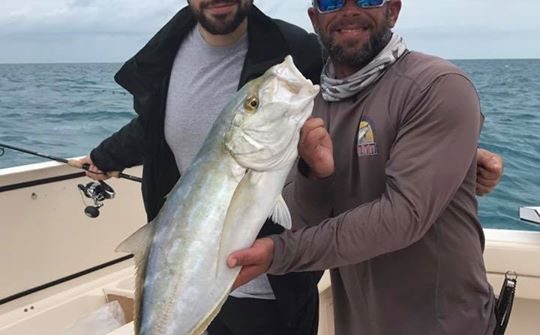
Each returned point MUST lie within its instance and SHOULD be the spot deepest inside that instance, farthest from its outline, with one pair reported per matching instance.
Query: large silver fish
(219, 205)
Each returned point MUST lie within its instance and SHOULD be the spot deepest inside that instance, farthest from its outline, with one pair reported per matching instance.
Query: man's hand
(316, 149)
(254, 261)
(92, 172)
(489, 171)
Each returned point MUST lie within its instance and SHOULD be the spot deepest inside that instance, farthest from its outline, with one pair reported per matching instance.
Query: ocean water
(62, 110)
(510, 97)
(65, 110)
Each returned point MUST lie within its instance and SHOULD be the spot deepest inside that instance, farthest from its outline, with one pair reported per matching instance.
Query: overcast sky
(112, 30)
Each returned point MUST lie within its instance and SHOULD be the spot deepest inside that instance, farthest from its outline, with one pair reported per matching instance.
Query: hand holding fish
(219, 206)
(315, 148)
(254, 261)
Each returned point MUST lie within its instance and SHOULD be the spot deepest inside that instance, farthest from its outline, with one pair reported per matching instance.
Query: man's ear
(314, 17)
(394, 8)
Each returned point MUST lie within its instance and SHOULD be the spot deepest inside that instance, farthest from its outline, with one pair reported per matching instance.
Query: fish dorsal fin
(281, 214)
(138, 244)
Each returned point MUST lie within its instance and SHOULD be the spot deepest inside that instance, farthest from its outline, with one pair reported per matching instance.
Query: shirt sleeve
(303, 198)
(122, 149)
(433, 151)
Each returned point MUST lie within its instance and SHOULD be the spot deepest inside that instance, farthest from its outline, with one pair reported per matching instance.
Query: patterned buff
(339, 89)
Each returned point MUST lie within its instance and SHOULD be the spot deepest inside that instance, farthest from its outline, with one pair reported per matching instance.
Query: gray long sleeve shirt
(397, 222)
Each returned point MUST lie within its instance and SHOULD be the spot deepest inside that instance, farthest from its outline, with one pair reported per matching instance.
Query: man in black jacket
(180, 81)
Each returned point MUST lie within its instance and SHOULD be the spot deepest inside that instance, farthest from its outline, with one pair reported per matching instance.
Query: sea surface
(64, 110)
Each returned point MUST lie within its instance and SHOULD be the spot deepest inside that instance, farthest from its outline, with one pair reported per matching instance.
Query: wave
(67, 109)
(89, 116)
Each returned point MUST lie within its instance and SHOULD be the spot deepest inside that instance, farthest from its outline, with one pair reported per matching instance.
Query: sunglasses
(328, 6)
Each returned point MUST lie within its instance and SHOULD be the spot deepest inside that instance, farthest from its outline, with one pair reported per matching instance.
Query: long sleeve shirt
(397, 221)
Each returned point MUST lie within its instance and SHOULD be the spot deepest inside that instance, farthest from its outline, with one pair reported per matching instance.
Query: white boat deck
(46, 237)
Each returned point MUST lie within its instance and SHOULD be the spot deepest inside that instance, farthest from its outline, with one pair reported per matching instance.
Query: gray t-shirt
(203, 79)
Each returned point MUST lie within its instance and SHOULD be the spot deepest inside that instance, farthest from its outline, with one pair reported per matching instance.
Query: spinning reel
(98, 191)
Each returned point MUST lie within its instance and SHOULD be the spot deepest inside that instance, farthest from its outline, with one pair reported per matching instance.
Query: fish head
(270, 111)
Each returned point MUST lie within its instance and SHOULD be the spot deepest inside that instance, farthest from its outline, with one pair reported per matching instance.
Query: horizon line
(121, 62)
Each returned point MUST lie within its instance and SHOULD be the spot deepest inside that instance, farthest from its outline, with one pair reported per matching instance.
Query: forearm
(433, 153)
(121, 150)
(352, 237)
(307, 204)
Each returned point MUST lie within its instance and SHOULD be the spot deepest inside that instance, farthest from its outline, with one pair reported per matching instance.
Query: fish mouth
(294, 80)
(266, 139)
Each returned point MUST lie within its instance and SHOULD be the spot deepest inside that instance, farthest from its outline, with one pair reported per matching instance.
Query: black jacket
(146, 76)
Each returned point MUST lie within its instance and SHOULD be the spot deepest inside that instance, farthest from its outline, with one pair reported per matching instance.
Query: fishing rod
(97, 191)
(71, 162)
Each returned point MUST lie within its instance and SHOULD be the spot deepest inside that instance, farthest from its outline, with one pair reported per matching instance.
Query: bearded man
(385, 190)
(180, 82)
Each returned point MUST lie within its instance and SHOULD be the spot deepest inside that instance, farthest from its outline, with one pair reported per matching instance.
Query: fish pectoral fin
(281, 214)
(138, 241)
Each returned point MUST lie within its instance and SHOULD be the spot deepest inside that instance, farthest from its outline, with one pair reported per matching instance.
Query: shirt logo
(366, 145)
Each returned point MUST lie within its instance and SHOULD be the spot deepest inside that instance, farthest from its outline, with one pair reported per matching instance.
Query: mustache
(206, 4)
(348, 22)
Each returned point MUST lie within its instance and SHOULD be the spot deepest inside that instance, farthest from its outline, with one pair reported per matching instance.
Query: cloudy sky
(111, 30)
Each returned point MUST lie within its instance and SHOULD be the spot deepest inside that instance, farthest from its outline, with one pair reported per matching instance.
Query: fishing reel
(98, 191)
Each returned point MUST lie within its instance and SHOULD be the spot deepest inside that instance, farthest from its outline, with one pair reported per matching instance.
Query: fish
(220, 204)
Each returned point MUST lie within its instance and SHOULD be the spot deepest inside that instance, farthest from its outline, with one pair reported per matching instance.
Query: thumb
(240, 258)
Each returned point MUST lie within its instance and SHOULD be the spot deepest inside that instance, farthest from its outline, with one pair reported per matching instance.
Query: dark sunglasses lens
(329, 5)
(369, 3)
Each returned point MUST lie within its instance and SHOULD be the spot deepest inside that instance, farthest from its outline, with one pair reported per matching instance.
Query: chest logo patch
(366, 145)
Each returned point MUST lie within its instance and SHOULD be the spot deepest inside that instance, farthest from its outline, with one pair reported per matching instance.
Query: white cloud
(471, 16)
(294, 11)
(111, 30)
(62, 16)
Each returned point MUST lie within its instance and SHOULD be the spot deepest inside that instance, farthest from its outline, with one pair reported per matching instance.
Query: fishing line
(70, 162)
(98, 191)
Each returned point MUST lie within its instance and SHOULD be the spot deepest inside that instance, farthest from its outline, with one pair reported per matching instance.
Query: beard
(358, 58)
(221, 24)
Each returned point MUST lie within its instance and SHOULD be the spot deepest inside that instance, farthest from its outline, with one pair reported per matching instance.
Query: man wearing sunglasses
(384, 194)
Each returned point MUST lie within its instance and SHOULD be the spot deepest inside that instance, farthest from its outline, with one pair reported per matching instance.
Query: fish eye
(251, 104)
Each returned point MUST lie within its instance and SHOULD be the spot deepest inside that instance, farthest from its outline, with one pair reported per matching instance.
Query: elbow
(406, 225)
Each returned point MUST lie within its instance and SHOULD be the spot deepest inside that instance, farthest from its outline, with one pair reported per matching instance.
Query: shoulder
(291, 32)
(272, 37)
(433, 86)
(146, 68)
(299, 39)
(169, 37)
(295, 33)
(304, 47)
(423, 70)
